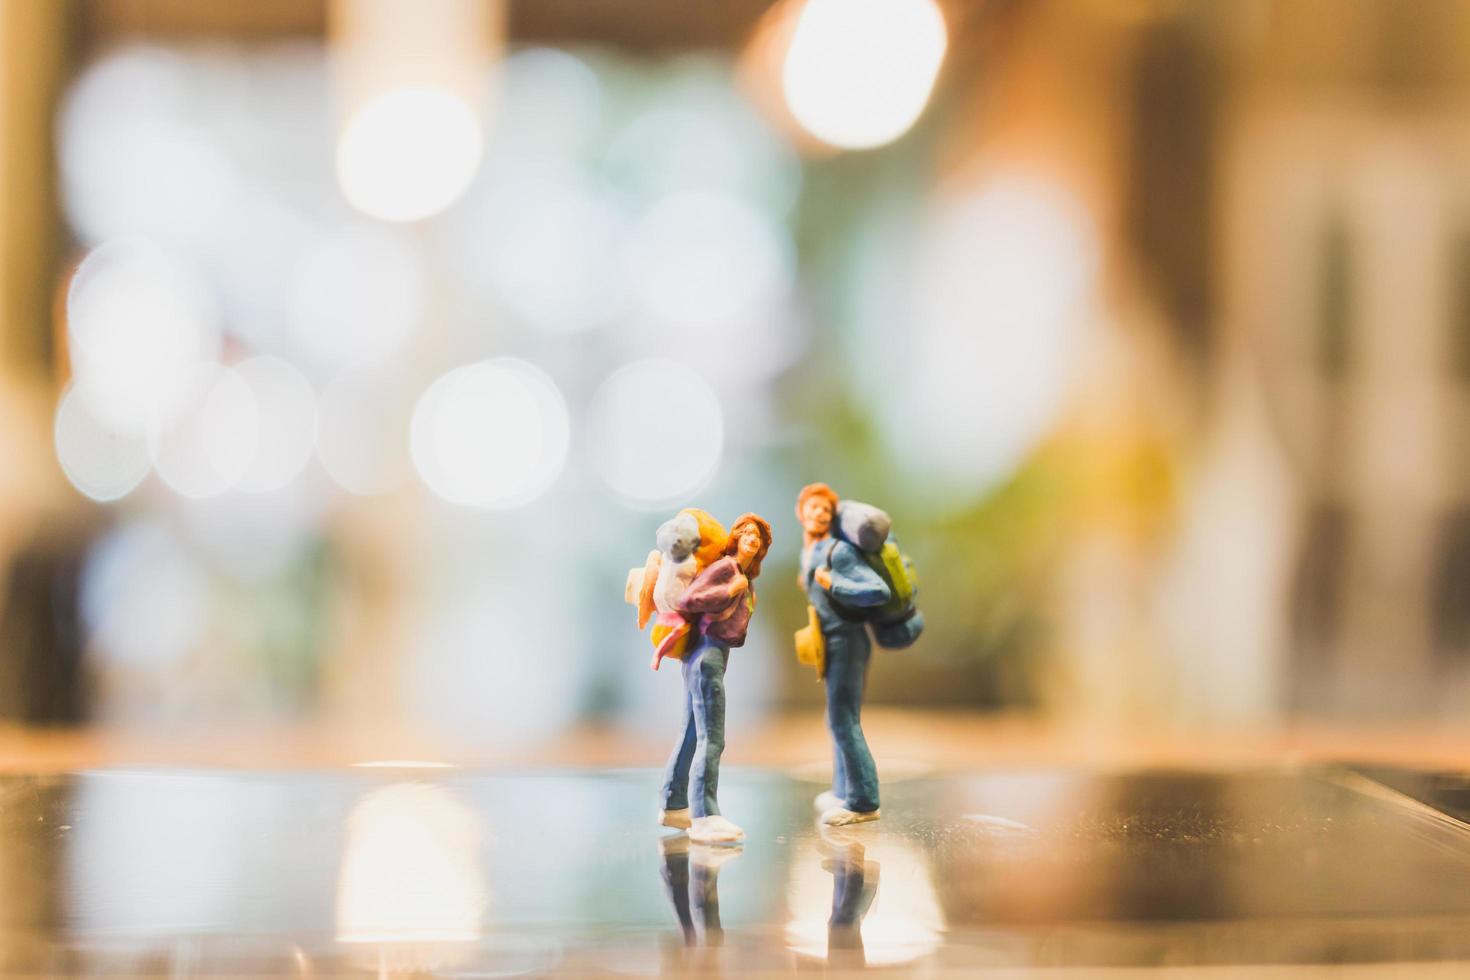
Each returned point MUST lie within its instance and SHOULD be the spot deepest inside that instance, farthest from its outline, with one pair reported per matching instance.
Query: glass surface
(399, 869)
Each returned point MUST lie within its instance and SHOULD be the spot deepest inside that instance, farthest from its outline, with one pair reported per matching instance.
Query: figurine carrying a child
(700, 583)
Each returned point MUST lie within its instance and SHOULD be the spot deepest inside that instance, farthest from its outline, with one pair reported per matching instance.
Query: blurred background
(351, 352)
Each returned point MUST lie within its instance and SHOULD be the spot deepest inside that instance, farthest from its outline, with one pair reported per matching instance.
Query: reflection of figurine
(854, 578)
(854, 886)
(691, 881)
(717, 605)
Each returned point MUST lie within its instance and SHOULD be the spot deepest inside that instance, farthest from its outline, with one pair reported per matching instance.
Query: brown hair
(816, 490)
(762, 528)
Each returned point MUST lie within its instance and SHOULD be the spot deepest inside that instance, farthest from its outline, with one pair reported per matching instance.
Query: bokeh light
(411, 868)
(700, 134)
(1004, 273)
(208, 447)
(656, 432)
(286, 404)
(551, 105)
(137, 323)
(99, 461)
(362, 431)
(859, 72)
(490, 434)
(357, 297)
(255, 268)
(547, 244)
(145, 601)
(135, 156)
(704, 260)
(409, 153)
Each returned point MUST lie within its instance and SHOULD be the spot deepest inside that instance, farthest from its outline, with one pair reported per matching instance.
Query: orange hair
(816, 490)
(712, 536)
(762, 527)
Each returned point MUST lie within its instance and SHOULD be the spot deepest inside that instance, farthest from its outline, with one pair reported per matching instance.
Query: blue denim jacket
(854, 583)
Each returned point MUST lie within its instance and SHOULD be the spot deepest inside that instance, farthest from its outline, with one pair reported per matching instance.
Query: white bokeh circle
(1006, 271)
(287, 409)
(137, 324)
(357, 297)
(859, 72)
(207, 448)
(409, 153)
(707, 261)
(100, 462)
(656, 431)
(145, 600)
(491, 434)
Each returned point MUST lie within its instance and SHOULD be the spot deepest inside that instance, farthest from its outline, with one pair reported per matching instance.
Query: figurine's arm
(853, 582)
(713, 589)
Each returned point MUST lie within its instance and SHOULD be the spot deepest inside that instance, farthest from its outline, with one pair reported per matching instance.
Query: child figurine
(853, 579)
(717, 605)
(677, 540)
(684, 545)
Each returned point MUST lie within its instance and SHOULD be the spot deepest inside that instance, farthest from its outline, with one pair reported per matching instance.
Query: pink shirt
(708, 604)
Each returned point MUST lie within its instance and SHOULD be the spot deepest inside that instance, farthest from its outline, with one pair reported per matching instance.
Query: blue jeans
(697, 755)
(694, 894)
(852, 896)
(854, 776)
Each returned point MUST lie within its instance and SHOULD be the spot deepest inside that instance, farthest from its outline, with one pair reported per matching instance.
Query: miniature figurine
(714, 611)
(854, 579)
(719, 603)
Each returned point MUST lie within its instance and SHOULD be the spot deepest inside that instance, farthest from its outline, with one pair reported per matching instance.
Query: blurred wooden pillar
(35, 44)
(40, 549)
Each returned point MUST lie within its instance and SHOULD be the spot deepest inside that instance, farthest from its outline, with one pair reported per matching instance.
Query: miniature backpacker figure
(701, 581)
(855, 579)
(896, 623)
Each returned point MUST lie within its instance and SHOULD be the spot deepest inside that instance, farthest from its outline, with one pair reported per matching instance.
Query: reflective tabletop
(401, 869)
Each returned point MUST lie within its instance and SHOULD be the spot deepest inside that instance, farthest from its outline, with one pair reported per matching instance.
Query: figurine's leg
(676, 773)
(676, 883)
(704, 896)
(848, 651)
(708, 700)
(844, 927)
(839, 773)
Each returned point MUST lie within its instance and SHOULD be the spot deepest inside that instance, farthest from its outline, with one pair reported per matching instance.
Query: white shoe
(678, 819)
(715, 829)
(827, 800)
(710, 858)
(840, 843)
(841, 816)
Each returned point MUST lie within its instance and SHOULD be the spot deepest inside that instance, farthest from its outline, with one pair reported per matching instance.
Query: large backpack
(868, 529)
